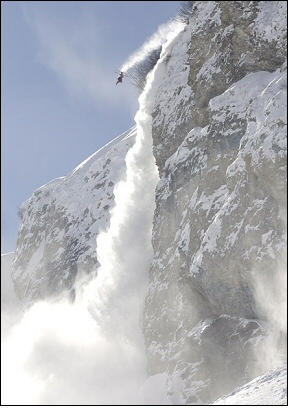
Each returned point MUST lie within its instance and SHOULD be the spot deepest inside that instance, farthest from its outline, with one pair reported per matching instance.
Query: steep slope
(269, 389)
(217, 281)
(56, 245)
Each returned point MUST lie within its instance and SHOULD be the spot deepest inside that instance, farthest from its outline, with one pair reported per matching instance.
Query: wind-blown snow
(164, 33)
(92, 352)
(10, 304)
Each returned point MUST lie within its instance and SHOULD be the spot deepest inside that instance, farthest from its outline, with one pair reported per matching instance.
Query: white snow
(271, 26)
(269, 389)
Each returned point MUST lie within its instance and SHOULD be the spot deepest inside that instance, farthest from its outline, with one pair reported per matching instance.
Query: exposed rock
(223, 42)
(220, 222)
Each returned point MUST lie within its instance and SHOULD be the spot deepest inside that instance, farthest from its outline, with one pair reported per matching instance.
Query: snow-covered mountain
(60, 222)
(173, 236)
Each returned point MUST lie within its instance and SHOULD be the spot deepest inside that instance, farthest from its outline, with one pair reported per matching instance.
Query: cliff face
(223, 42)
(219, 233)
(216, 300)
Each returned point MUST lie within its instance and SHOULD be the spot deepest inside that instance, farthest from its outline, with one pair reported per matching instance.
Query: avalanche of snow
(92, 351)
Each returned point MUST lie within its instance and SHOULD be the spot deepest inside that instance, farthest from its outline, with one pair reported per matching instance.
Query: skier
(120, 77)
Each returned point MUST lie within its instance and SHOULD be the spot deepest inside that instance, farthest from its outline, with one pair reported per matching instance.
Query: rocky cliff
(215, 309)
(220, 221)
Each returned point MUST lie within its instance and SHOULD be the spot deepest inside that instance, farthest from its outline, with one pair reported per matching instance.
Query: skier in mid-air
(120, 77)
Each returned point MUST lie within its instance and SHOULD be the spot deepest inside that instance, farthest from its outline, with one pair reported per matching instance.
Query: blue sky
(60, 103)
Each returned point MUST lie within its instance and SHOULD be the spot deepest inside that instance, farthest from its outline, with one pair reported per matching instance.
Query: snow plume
(270, 295)
(164, 33)
(92, 352)
(125, 251)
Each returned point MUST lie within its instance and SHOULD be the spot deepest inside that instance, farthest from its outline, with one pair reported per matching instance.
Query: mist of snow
(92, 351)
(269, 291)
(163, 34)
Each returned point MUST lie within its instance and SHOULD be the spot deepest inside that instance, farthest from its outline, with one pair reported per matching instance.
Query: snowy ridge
(63, 219)
(269, 389)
